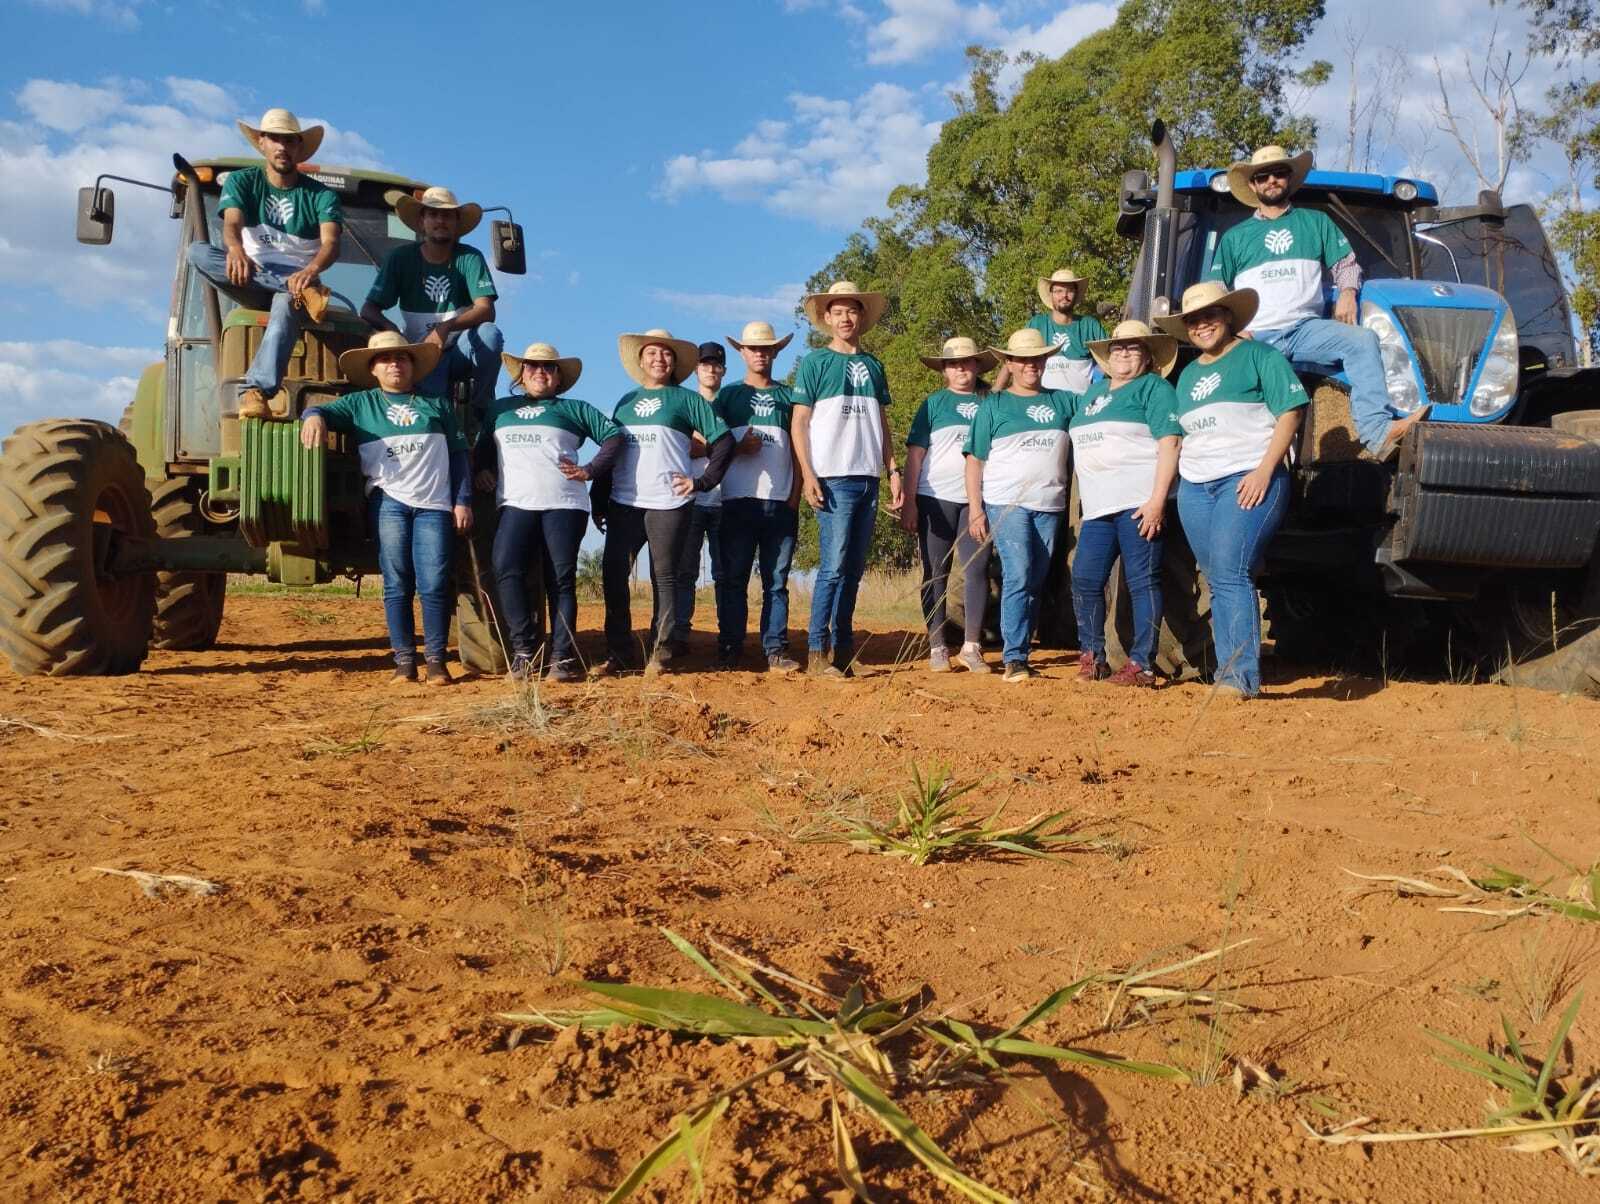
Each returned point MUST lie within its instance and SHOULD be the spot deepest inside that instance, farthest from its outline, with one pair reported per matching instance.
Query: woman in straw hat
(1239, 404)
(1125, 436)
(1016, 478)
(935, 506)
(650, 487)
(532, 439)
(419, 487)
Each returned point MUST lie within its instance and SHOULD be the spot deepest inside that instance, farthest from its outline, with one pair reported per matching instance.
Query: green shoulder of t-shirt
(672, 406)
(1008, 413)
(826, 373)
(1250, 371)
(419, 286)
(1147, 398)
(751, 405)
(941, 408)
(1077, 332)
(374, 414)
(577, 416)
(299, 210)
(1298, 234)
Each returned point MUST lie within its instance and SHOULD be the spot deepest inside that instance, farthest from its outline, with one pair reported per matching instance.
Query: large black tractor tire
(188, 605)
(64, 484)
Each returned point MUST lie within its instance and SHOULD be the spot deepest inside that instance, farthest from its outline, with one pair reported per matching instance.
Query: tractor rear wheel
(188, 605)
(65, 485)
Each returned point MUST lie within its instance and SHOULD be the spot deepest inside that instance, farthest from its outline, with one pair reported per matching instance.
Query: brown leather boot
(314, 300)
(253, 404)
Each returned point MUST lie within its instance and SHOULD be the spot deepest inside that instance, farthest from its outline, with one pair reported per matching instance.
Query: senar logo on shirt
(1041, 413)
(1206, 386)
(857, 374)
(1279, 241)
(646, 406)
(529, 411)
(400, 414)
(1094, 407)
(279, 210)
(437, 289)
(762, 405)
(967, 409)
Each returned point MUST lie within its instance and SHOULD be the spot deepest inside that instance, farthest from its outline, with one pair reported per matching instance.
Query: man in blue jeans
(841, 443)
(1286, 255)
(280, 231)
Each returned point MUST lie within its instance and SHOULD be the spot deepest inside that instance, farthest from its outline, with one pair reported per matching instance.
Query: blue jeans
(1228, 544)
(1354, 348)
(1100, 542)
(705, 527)
(474, 356)
(1024, 540)
(844, 535)
(756, 531)
(266, 290)
(414, 549)
(548, 539)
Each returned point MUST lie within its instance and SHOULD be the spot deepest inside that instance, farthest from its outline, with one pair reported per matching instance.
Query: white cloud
(62, 378)
(1061, 32)
(833, 162)
(64, 106)
(916, 28)
(776, 306)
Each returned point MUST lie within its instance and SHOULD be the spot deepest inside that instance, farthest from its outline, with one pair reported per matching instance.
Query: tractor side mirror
(97, 214)
(510, 255)
(1134, 196)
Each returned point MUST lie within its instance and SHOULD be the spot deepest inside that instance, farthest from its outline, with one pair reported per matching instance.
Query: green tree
(1017, 188)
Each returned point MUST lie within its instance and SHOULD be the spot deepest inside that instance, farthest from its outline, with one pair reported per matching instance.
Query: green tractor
(114, 539)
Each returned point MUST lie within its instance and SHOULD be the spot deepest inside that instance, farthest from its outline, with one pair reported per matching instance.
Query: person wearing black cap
(705, 522)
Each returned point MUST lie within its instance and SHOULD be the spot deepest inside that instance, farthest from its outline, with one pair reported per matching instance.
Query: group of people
(987, 464)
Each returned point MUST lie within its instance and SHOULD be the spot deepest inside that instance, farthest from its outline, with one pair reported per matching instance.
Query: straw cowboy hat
(1163, 348)
(281, 121)
(961, 348)
(1241, 303)
(684, 353)
(409, 209)
(357, 364)
(759, 334)
(872, 304)
(568, 368)
(1059, 276)
(1268, 156)
(1027, 344)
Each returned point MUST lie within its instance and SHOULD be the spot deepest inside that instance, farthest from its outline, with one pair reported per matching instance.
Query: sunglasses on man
(1270, 173)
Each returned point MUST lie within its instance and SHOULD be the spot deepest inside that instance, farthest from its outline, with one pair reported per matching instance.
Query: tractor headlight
(1399, 374)
(1497, 383)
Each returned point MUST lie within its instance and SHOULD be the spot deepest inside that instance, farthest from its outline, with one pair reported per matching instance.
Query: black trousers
(628, 530)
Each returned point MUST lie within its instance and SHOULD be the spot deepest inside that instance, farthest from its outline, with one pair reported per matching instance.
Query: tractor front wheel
(65, 486)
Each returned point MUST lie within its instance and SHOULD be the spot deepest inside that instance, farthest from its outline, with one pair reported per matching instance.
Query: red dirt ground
(399, 864)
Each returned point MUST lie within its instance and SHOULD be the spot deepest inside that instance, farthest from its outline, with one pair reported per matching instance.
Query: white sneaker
(938, 659)
(972, 657)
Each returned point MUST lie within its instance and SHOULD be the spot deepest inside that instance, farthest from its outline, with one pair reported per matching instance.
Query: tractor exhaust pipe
(1166, 163)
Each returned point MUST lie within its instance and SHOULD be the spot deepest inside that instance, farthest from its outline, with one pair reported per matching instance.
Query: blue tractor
(1478, 542)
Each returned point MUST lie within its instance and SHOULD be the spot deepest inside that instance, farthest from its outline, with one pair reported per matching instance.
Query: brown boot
(314, 300)
(253, 404)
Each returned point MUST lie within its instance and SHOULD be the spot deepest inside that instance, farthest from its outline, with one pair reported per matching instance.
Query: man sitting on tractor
(445, 294)
(280, 229)
(1282, 253)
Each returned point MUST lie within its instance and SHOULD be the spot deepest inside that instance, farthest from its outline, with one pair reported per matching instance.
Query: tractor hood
(1452, 345)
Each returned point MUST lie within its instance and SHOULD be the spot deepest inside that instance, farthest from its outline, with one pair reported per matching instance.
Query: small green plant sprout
(369, 738)
(308, 614)
(930, 824)
(1486, 894)
(1538, 1111)
(863, 1051)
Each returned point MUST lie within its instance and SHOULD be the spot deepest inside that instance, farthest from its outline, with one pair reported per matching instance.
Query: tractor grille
(1448, 343)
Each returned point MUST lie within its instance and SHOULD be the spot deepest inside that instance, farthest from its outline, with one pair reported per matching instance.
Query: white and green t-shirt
(282, 226)
(769, 473)
(1023, 444)
(404, 442)
(848, 395)
(1282, 258)
(1114, 434)
(656, 425)
(941, 425)
(430, 293)
(1070, 368)
(531, 439)
(1227, 409)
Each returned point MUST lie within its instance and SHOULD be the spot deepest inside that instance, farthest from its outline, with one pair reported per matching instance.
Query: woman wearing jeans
(936, 499)
(533, 440)
(1017, 483)
(418, 487)
(1125, 444)
(649, 489)
(1239, 404)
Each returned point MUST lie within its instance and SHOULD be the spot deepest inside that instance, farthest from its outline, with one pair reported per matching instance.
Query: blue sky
(685, 166)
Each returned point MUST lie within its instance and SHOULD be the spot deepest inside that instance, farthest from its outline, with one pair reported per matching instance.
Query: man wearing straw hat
(444, 292)
(1288, 255)
(1069, 368)
(280, 231)
(841, 443)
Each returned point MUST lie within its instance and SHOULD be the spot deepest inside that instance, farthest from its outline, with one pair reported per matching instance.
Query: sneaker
(612, 666)
(782, 662)
(938, 659)
(727, 659)
(521, 667)
(314, 300)
(1226, 691)
(405, 671)
(676, 647)
(972, 657)
(818, 663)
(253, 404)
(1018, 671)
(438, 675)
(1132, 675)
(564, 671)
(1090, 669)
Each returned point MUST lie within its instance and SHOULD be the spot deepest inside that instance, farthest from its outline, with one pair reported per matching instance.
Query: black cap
(712, 352)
